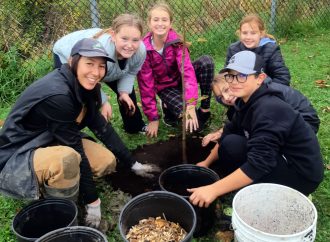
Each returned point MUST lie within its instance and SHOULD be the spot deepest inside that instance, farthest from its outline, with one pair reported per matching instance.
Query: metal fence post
(94, 14)
(272, 22)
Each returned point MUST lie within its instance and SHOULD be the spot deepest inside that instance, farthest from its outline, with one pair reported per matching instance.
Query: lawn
(308, 61)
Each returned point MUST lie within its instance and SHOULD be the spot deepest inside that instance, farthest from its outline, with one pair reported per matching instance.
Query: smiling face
(90, 71)
(127, 41)
(222, 92)
(159, 22)
(246, 89)
(250, 34)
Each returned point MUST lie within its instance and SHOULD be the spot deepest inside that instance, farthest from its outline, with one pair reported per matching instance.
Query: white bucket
(270, 212)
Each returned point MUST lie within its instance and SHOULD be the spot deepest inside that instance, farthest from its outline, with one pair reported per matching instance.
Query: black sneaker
(203, 118)
(143, 129)
(169, 119)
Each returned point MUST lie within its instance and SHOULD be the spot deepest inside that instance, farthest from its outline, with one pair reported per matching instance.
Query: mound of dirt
(163, 154)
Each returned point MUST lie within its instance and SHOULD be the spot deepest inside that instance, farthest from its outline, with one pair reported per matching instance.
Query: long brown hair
(254, 18)
(121, 20)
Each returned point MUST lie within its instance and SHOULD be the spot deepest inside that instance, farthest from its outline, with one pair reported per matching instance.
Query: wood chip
(156, 230)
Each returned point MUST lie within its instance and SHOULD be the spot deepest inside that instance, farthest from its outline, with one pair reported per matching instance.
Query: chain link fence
(29, 28)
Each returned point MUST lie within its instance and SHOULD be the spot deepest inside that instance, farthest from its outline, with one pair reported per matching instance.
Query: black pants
(132, 124)
(233, 153)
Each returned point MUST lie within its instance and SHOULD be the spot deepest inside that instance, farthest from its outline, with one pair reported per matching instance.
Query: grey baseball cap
(90, 48)
(245, 62)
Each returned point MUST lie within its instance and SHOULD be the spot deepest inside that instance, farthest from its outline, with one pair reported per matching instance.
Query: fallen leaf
(327, 166)
(320, 81)
(1, 122)
(201, 40)
(326, 109)
(321, 84)
(171, 135)
(225, 236)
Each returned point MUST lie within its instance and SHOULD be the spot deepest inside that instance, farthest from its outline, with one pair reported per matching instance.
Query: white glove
(144, 170)
(93, 214)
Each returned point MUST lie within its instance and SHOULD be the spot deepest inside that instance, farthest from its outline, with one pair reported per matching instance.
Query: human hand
(203, 163)
(106, 110)
(191, 119)
(125, 100)
(202, 196)
(212, 137)
(93, 214)
(145, 170)
(152, 129)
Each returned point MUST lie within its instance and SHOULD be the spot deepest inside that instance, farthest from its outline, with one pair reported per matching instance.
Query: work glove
(144, 170)
(93, 214)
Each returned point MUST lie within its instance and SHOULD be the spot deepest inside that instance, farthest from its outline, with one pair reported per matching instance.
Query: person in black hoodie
(43, 153)
(224, 97)
(266, 140)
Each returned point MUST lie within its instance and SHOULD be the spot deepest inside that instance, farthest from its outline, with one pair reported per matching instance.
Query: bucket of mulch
(73, 234)
(178, 178)
(43, 216)
(157, 216)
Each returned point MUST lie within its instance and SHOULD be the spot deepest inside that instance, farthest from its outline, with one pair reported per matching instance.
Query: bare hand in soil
(158, 229)
(211, 137)
(145, 170)
(191, 119)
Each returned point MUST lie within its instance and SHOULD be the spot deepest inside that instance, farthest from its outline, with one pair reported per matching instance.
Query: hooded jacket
(274, 129)
(45, 114)
(163, 71)
(296, 100)
(274, 64)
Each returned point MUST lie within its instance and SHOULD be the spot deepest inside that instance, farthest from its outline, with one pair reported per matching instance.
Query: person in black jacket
(292, 96)
(42, 150)
(253, 37)
(266, 140)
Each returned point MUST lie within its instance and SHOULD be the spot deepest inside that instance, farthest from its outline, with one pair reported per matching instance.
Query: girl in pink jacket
(161, 74)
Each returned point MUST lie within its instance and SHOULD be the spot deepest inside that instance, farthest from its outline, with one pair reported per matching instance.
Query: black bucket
(73, 234)
(154, 204)
(43, 216)
(178, 178)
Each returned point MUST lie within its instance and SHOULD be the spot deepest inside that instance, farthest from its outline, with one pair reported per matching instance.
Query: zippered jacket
(45, 114)
(163, 71)
(275, 66)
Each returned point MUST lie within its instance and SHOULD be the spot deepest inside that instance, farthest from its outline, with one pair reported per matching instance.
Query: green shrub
(16, 73)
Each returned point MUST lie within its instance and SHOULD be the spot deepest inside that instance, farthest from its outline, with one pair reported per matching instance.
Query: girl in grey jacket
(123, 44)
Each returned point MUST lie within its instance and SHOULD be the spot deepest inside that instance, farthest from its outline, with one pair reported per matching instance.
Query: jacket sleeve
(61, 123)
(275, 66)
(190, 81)
(268, 134)
(147, 88)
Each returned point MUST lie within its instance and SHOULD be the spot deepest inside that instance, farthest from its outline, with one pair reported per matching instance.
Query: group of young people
(270, 135)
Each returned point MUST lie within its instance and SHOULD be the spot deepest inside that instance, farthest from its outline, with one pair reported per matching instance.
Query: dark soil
(163, 154)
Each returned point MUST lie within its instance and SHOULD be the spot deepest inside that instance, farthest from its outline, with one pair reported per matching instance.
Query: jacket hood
(263, 90)
(172, 38)
(266, 40)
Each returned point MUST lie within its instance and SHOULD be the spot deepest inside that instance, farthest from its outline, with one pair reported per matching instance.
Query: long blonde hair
(121, 20)
(250, 18)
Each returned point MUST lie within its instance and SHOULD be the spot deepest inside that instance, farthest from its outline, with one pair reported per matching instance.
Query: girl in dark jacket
(253, 37)
(266, 141)
(42, 151)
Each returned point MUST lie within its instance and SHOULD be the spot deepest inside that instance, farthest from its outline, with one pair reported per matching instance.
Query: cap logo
(97, 46)
(232, 60)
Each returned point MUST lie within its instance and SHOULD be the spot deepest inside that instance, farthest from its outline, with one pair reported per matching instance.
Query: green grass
(307, 59)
